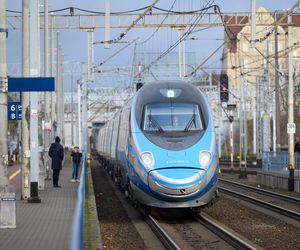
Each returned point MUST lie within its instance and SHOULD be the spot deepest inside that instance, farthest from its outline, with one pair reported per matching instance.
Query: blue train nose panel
(179, 182)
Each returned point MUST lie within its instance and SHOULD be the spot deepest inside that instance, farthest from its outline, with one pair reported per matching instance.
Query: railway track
(197, 232)
(278, 203)
(223, 233)
(161, 234)
(262, 191)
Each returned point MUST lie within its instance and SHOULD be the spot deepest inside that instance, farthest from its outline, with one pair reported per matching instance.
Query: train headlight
(170, 93)
(147, 160)
(204, 158)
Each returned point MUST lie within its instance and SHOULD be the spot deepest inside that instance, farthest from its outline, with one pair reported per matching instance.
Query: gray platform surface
(46, 225)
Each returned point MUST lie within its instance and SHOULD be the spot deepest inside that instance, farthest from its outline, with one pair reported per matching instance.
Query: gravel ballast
(119, 232)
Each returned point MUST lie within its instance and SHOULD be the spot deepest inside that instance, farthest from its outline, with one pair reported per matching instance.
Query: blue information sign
(14, 111)
(31, 84)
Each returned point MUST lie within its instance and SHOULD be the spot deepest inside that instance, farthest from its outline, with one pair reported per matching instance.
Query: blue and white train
(161, 147)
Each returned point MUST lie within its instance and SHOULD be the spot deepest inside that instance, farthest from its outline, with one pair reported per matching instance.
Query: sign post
(291, 128)
(7, 210)
(14, 111)
(32, 85)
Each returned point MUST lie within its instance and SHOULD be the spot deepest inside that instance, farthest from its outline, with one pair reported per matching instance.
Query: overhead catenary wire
(159, 26)
(254, 61)
(50, 11)
(199, 66)
(246, 38)
(122, 35)
(250, 56)
(260, 59)
(186, 34)
(143, 43)
(227, 30)
(134, 23)
(285, 15)
(143, 8)
(178, 12)
(289, 12)
(85, 10)
(150, 7)
(216, 9)
(115, 12)
(118, 51)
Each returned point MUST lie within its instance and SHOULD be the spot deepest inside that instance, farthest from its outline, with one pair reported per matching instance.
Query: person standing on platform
(297, 145)
(56, 152)
(76, 158)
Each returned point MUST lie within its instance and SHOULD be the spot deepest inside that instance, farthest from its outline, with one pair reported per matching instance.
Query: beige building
(245, 64)
(255, 66)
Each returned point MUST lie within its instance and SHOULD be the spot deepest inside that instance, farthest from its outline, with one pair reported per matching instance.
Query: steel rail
(262, 191)
(223, 233)
(274, 208)
(161, 234)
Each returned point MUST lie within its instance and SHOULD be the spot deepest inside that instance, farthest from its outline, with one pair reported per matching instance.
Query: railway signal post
(291, 125)
(231, 108)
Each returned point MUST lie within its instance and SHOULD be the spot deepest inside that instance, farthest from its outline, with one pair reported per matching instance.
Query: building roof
(233, 31)
(242, 21)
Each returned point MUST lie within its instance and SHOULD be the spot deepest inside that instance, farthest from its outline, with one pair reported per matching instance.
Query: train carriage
(161, 146)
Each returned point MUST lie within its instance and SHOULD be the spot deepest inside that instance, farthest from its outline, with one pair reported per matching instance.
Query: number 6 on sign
(291, 128)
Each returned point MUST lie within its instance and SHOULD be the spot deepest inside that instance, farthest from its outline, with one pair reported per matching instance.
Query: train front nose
(177, 182)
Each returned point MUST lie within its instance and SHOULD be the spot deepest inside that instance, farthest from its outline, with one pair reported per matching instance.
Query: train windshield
(167, 117)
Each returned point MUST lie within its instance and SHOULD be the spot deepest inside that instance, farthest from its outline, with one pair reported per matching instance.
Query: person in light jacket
(76, 158)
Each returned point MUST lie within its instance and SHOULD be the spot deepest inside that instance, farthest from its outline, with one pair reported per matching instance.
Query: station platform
(46, 225)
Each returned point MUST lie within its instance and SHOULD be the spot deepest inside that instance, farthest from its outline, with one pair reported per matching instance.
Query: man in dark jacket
(56, 152)
(76, 158)
(297, 145)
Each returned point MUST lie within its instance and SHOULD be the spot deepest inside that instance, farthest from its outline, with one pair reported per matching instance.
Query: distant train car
(161, 147)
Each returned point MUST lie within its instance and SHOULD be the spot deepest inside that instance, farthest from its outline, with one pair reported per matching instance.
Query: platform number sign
(14, 111)
(291, 128)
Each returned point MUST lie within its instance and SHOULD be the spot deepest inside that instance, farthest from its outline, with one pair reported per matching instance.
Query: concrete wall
(276, 181)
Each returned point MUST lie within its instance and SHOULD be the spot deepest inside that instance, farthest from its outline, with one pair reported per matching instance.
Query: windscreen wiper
(155, 123)
(189, 124)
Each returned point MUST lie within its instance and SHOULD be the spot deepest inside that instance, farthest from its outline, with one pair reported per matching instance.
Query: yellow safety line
(14, 174)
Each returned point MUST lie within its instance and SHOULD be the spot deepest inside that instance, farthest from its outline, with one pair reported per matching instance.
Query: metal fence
(278, 162)
(77, 237)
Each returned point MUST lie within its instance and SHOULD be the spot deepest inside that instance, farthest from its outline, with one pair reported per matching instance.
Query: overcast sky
(74, 43)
